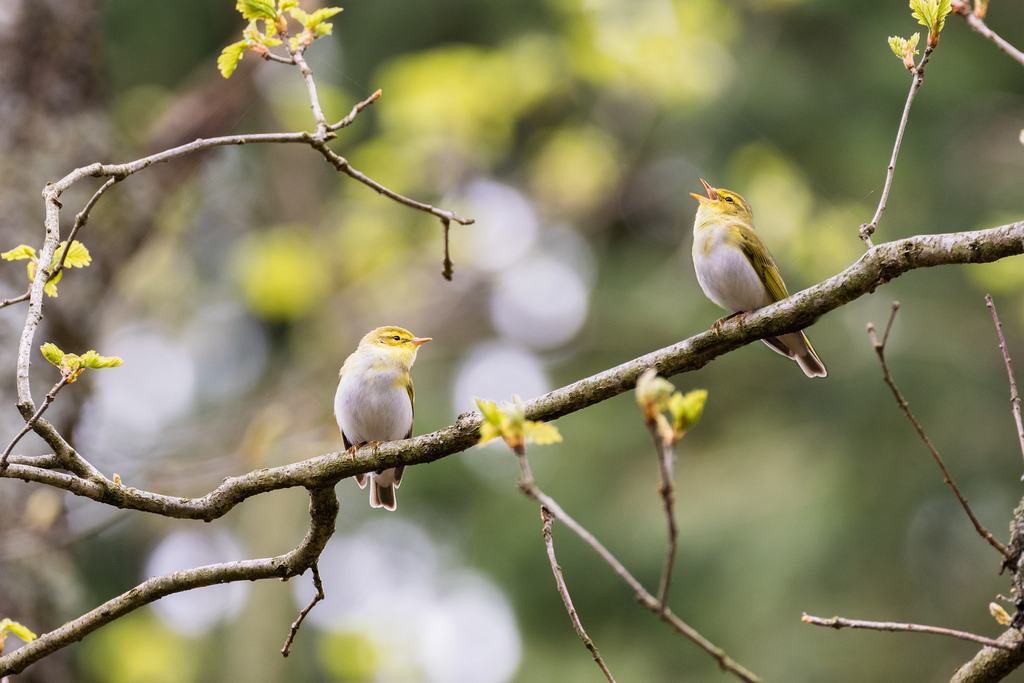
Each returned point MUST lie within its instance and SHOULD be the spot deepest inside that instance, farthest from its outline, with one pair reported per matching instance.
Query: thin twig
(667, 491)
(286, 650)
(29, 423)
(274, 57)
(307, 76)
(340, 163)
(868, 229)
(347, 121)
(323, 511)
(81, 218)
(902, 402)
(529, 487)
(15, 300)
(839, 622)
(979, 25)
(563, 591)
(446, 270)
(1014, 396)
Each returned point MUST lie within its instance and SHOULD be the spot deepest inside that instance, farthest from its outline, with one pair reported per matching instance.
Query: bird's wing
(761, 259)
(412, 405)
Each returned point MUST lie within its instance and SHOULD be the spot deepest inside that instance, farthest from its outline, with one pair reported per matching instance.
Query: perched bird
(736, 271)
(374, 401)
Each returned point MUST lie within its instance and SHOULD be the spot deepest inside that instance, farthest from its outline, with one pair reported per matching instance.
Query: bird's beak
(420, 340)
(712, 195)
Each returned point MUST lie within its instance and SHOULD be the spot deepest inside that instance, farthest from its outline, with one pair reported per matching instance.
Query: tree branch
(30, 423)
(643, 596)
(905, 407)
(993, 664)
(978, 25)
(547, 517)
(879, 265)
(323, 512)
(868, 229)
(294, 630)
(1014, 396)
(839, 623)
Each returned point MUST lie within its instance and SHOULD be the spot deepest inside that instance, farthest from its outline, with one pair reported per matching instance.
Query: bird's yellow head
(720, 204)
(396, 341)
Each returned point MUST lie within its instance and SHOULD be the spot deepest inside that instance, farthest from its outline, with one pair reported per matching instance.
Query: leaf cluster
(932, 15)
(268, 27)
(77, 257)
(72, 365)
(656, 396)
(509, 422)
(7, 627)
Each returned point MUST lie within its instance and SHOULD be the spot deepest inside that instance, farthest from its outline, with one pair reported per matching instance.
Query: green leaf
(945, 7)
(325, 13)
(310, 21)
(230, 57)
(488, 431)
(78, 255)
(510, 423)
(52, 353)
(300, 16)
(923, 11)
(997, 611)
(256, 39)
(257, 9)
(91, 359)
(9, 626)
(489, 409)
(686, 410)
(541, 433)
(22, 251)
(932, 15)
(909, 50)
(72, 365)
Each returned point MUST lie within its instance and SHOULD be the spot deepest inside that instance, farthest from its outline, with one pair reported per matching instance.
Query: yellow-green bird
(737, 272)
(374, 401)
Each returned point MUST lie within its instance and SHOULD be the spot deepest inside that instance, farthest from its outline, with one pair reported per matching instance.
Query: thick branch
(877, 266)
(993, 664)
(323, 512)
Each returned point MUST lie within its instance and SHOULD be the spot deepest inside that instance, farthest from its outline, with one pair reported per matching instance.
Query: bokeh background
(234, 283)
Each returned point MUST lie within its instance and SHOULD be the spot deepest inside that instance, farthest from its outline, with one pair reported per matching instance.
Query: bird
(374, 401)
(737, 272)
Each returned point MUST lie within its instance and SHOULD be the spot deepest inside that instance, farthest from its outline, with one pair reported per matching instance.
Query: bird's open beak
(420, 340)
(712, 195)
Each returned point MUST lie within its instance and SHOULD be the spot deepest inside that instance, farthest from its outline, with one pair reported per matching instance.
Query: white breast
(377, 409)
(725, 274)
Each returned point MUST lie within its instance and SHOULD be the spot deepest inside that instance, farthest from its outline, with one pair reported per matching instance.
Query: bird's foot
(717, 327)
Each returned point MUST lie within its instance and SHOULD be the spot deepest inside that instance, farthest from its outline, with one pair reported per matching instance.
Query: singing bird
(374, 401)
(737, 272)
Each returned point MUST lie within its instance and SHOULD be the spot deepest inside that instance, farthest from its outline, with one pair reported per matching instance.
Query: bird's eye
(397, 338)
(729, 199)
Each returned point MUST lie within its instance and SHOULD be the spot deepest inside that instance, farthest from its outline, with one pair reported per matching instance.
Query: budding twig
(905, 407)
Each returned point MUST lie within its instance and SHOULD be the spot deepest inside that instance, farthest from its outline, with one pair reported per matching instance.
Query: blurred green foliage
(792, 495)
